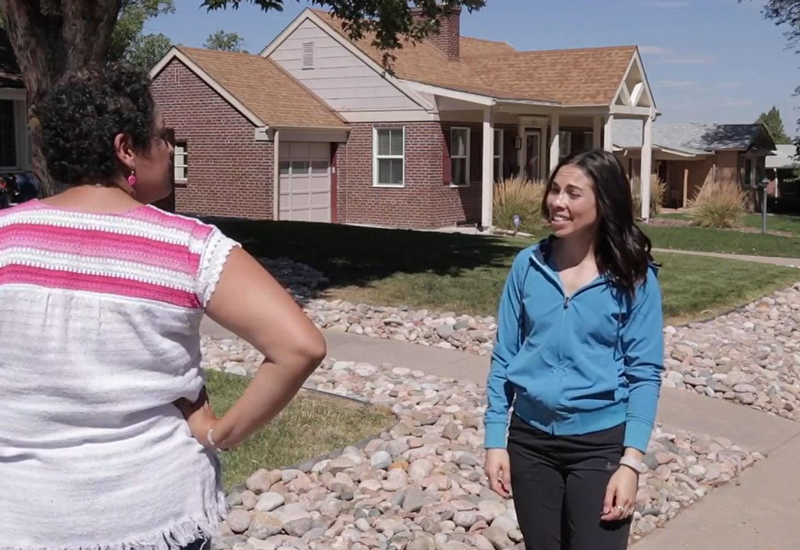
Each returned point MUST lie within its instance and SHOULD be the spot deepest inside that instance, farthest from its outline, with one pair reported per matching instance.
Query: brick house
(687, 156)
(419, 148)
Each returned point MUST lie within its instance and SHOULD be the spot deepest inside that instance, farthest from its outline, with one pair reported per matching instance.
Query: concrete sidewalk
(677, 408)
(759, 512)
(788, 262)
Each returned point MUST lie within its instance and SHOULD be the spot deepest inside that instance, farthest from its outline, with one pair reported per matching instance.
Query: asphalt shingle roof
(262, 86)
(569, 77)
(695, 138)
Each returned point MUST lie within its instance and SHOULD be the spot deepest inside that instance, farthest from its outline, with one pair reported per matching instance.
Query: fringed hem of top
(174, 537)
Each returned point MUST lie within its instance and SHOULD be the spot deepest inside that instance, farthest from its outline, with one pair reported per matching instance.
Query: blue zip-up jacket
(574, 365)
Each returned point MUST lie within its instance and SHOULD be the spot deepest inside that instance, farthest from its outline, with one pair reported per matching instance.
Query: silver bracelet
(210, 438)
(633, 464)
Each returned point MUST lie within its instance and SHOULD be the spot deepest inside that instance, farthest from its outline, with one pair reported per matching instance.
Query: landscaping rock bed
(750, 356)
(420, 486)
(445, 330)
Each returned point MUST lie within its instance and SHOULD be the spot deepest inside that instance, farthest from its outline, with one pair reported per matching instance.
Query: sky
(706, 60)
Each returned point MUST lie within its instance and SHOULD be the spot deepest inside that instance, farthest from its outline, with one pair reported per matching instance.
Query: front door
(533, 154)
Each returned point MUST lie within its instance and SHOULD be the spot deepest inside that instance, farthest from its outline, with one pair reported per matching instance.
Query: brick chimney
(448, 41)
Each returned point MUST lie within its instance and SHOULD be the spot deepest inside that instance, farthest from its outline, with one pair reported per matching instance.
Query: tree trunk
(50, 38)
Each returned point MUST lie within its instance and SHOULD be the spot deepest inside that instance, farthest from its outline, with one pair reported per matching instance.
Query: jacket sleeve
(643, 346)
(499, 391)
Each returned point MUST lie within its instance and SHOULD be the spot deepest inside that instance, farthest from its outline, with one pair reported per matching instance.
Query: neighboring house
(422, 147)
(230, 113)
(15, 148)
(688, 155)
(782, 168)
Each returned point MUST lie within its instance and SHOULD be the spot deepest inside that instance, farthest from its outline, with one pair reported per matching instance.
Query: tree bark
(51, 38)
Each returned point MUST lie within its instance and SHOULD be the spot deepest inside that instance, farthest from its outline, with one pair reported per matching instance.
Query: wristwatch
(633, 464)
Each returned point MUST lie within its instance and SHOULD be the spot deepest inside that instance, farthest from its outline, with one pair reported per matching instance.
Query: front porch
(491, 138)
(501, 141)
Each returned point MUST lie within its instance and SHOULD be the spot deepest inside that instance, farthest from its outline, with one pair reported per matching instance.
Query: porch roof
(579, 77)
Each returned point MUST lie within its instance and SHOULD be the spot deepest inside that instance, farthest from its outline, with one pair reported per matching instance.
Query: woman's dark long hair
(622, 250)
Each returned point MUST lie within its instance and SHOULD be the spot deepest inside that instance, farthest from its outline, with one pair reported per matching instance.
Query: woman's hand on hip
(498, 469)
(199, 415)
(620, 499)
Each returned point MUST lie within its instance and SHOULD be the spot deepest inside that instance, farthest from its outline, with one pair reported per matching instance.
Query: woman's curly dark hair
(82, 114)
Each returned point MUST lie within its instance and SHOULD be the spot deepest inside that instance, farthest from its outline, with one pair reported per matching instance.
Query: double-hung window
(388, 157)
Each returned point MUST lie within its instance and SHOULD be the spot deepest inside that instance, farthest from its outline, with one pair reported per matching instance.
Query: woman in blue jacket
(578, 357)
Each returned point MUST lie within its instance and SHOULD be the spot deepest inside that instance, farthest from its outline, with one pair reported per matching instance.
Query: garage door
(305, 182)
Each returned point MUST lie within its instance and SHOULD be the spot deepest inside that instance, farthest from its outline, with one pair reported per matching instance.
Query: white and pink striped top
(99, 335)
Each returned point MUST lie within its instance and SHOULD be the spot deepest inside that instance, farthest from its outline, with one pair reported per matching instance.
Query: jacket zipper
(567, 299)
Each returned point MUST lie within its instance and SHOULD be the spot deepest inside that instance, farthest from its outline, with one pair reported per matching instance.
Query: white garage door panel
(305, 182)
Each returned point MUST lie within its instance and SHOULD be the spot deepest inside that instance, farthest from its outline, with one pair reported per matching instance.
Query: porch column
(685, 184)
(555, 142)
(487, 180)
(608, 137)
(597, 133)
(521, 151)
(647, 163)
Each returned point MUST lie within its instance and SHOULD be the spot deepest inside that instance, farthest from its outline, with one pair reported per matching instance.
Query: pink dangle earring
(132, 178)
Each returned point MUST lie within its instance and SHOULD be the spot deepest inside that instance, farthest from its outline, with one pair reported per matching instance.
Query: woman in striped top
(107, 439)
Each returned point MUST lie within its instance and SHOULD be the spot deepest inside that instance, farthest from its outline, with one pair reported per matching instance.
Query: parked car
(16, 188)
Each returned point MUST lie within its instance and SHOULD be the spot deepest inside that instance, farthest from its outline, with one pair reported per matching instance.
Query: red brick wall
(230, 174)
(448, 40)
(424, 202)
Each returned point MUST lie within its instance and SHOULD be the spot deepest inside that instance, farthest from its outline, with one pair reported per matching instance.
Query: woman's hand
(199, 415)
(620, 497)
(498, 469)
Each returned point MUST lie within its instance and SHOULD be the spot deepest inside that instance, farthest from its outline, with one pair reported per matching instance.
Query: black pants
(559, 483)
(200, 544)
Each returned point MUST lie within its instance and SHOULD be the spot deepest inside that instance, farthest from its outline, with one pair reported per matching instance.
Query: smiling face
(572, 203)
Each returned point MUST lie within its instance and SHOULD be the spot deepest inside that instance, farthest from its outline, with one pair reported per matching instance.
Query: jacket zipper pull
(566, 302)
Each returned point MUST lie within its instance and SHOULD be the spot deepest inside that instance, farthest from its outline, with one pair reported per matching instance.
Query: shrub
(658, 190)
(718, 204)
(522, 197)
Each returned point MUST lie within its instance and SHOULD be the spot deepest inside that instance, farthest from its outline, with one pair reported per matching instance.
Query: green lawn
(693, 287)
(785, 224)
(465, 273)
(723, 240)
(286, 440)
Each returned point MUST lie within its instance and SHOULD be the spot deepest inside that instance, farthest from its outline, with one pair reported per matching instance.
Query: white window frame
(498, 153)
(376, 157)
(184, 153)
(466, 156)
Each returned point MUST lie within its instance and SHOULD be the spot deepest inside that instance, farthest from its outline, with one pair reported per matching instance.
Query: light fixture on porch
(517, 143)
